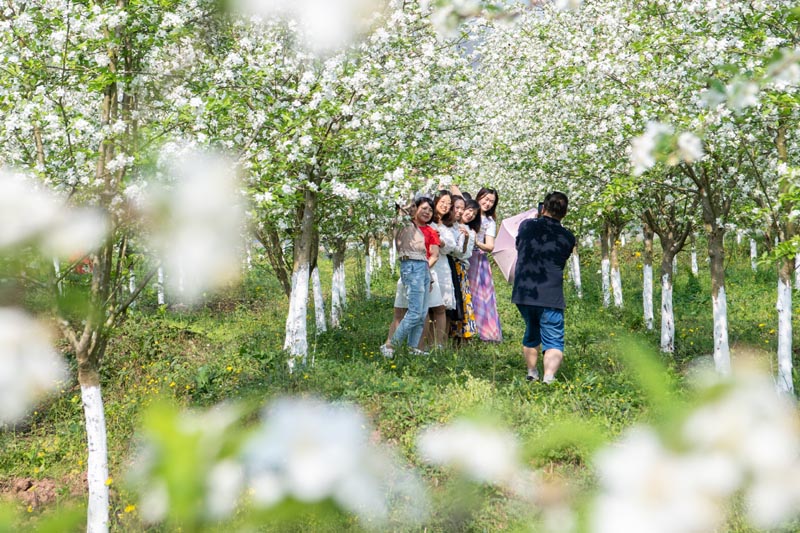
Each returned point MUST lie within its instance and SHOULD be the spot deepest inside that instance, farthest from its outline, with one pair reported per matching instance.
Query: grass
(230, 349)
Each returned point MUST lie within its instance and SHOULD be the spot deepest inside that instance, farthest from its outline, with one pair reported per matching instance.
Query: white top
(488, 227)
(463, 257)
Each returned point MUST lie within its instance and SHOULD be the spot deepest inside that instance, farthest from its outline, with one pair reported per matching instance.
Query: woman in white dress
(442, 296)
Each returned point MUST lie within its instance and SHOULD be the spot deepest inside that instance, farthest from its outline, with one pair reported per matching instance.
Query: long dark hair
(483, 192)
(475, 223)
(449, 218)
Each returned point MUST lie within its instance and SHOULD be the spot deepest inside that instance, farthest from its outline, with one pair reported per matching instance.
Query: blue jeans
(417, 280)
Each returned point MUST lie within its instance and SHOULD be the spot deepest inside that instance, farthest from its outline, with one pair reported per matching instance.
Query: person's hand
(464, 231)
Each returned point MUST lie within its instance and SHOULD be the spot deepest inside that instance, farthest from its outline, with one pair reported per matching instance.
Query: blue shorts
(543, 325)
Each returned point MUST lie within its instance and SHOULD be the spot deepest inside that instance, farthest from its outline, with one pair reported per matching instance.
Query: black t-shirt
(543, 247)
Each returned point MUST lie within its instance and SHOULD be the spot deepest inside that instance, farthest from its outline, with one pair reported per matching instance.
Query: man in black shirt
(543, 247)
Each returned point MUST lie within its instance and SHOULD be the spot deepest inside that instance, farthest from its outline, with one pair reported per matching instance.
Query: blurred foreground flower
(485, 454)
(327, 25)
(312, 451)
(659, 143)
(32, 214)
(29, 366)
(196, 224)
(185, 469)
(746, 441)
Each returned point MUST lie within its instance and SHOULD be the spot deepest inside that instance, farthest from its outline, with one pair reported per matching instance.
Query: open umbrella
(505, 249)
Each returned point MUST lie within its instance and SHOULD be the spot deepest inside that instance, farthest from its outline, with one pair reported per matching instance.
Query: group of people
(446, 288)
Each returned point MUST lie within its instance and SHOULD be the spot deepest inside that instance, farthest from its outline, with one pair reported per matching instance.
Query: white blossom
(483, 453)
(196, 223)
(31, 213)
(312, 451)
(29, 366)
(690, 147)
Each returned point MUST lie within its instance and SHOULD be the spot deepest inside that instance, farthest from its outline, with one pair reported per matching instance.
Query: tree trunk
(695, 269)
(784, 307)
(367, 267)
(753, 255)
(575, 272)
(57, 270)
(296, 342)
(667, 313)
(378, 248)
(647, 277)
(97, 476)
(605, 265)
(160, 287)
(797, 271)
(616, 277)
(319, 302)
(393, 253)
(271, 241)
(719, 301)
(338, 290)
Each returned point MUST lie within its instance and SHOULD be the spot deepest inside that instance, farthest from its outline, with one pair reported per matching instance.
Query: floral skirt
(465, 328)
(484, 301)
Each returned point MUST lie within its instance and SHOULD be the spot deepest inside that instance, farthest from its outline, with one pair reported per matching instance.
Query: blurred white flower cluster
(312, 451)
(196, 223)
(304, 450)
(29, 366)
(31, 214)
(327, 25)
(747, 441)
(659, 142)
(487, 455)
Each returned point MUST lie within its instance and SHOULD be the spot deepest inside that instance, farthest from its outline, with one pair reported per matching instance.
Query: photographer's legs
(531, 357)
(552, 329)
(552, 361)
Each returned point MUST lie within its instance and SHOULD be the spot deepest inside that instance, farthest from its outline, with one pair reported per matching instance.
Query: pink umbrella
(505, 249)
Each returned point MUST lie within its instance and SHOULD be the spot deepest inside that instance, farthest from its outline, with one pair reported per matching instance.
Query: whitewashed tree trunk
(675, 265)
(605, 272)
(160, 287)
(667, 315)
(368, 270)
(797, 272)
(379, 254)
(97, 514)
(753, 255)
(249, 259)
(647, 296)
(296, 341)
(575, 272)
(647, 276)
(739, 237)
(695, 269)
(722, 352)
(616, 285)
(392, 255)
(622, 240)
(338, 291)
(784, 307)
(319, 302)
(57, 269)
(605, 265)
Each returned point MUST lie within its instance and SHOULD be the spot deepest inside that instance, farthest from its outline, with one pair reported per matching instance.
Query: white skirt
(434, 298)
(447, 296)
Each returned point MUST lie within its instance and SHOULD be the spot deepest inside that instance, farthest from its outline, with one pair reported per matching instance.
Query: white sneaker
(387, 351)
(417, 351)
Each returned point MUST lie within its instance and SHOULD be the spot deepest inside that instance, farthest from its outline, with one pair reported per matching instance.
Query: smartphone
(539, 208)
